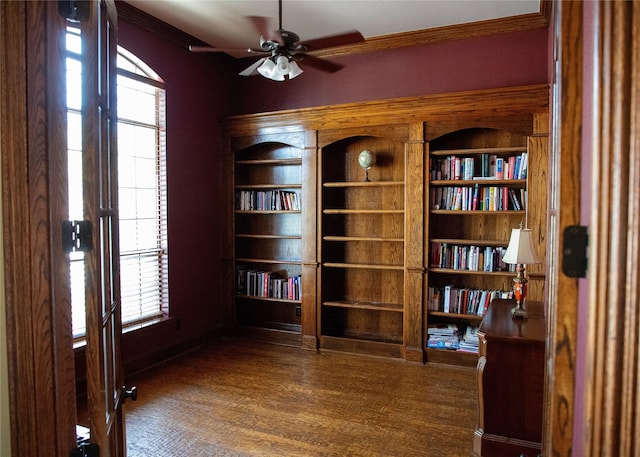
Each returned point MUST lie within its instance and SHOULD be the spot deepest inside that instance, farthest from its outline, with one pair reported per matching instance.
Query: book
(512, 167)
(485, 171)
(446, 304)
(442, 329)
(444, 344)
(499, 168)
(514, 200)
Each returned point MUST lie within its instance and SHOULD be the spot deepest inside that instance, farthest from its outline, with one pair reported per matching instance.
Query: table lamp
(520, 252)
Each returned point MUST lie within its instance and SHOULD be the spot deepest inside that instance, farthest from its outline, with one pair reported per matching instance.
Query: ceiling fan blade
(316, 62)
(264, 26)
(227, 50)
(334, 40)
(253, 68)
(204, 49)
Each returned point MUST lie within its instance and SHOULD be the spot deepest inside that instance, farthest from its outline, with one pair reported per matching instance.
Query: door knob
(130, 393)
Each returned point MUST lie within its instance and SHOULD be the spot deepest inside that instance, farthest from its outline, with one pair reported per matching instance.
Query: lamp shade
(520, 249)
(267, 68)
(294, 69)
(282, 65)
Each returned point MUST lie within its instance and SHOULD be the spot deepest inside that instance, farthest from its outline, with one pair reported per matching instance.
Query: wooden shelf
(267, 186)
(451, 271)
(268, 237)
(362, 238)
(479, 151)
(280, 300)
(269, 261)
(253, 211)
(363, 184)
(472, 317)
(363, 211)
(458, 212)
(480, 182)
(286, 161)
(466, 242)
(366, 266)
(395, 307)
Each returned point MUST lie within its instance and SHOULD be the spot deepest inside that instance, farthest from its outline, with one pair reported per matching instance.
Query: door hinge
(77, 236)
(74, 10)
(575, 240)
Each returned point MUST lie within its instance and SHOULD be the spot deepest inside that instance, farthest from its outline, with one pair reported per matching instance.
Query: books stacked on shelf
(478, 198)
(470, 341)
(490, 166)
(268, 284)
(267, 200)
(468, 257)
(443, 336)
(449, 299)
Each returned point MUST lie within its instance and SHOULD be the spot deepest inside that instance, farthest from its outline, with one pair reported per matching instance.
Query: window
(142, 187)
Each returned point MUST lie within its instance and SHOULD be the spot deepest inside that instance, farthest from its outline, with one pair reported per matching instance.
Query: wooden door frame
(37, 298)
(609, 425)
(592, 392)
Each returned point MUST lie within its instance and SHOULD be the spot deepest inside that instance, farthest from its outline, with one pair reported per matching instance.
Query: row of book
(448, 336)
(268, 284)
(267, 200)
(450, 299)
(471, 258)
(478, 198)
(491, 166)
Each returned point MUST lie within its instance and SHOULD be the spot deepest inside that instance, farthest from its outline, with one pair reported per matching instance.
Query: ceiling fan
(284, 50)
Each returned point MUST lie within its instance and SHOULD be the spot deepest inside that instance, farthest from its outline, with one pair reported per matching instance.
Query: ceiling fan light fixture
(276, 71)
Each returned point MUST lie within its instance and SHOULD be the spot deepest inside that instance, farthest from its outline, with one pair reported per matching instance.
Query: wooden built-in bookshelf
(361, 244)
(268, 236)
(466, 240)
(364, 248)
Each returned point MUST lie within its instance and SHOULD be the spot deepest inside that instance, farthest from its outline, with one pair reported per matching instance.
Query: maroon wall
(204, 88)
(194, 108)
(514, 59)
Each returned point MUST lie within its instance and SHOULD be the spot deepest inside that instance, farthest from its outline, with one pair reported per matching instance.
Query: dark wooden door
(105, 389)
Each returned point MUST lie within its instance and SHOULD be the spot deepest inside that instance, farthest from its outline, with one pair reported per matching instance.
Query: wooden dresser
(510, 382)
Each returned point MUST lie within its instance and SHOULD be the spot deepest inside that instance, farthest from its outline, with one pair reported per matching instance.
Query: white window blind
(141, 192)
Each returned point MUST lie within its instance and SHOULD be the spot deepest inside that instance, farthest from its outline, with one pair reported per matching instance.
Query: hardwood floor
(246, 398)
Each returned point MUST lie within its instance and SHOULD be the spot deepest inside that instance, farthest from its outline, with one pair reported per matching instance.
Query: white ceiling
(223, 23)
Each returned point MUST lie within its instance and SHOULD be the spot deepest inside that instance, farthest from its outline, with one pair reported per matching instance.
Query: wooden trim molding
(486, 103)
(610, 425)
(478, 29)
